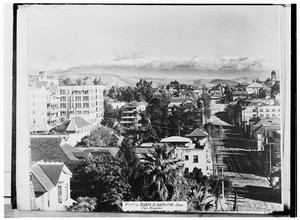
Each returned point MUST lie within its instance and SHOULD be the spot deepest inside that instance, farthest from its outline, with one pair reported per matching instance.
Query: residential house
(239, 94)
(260, 129)
(51, 185)
(254, 88)
(185, 149)
(76, 128)
(199, 137)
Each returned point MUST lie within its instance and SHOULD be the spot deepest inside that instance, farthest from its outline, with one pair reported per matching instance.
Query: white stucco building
(37, 99)
(85, 101)
(51, 185)
(253, 88)
(184, 149)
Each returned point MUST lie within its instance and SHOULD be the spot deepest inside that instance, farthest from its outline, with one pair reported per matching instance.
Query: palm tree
(200, 198)
(161, 174)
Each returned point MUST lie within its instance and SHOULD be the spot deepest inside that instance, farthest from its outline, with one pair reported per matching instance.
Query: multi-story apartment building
(53, 106)
(38, 109)
(131, 112)
(85, 101)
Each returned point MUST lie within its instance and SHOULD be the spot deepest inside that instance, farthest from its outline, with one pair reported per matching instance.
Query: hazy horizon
(64, 36)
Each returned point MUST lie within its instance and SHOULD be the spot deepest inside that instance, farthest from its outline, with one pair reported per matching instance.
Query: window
(33, 121)
(48, 199)
(261, 115)
(254, 110)
(63, 113)
(78, 105)
(273, 115)
(261, 110)
(85, 98)
(85, 105)
(33, 112)
(66, 191)
(63, 98)
(279, 109)
(267, 110)
(195, 158)
(59, 192)
(254, 115)
(79, 112)
(86, 112)
(63, 105)
(78, 98)
(62, 92)
(273, 110)
(267, 115)
(186, 157)
(33, 103)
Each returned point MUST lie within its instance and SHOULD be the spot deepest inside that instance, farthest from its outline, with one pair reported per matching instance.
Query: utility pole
(179, 129)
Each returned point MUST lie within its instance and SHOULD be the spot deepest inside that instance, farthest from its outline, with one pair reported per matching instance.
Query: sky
(68, 36)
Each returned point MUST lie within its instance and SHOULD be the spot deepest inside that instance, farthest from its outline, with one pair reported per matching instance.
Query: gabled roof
(255, 85)
(53, 171)
(80, 122)
(41, 183)
(72, 126)
(46, 175)
(197, 133)
(175, 139)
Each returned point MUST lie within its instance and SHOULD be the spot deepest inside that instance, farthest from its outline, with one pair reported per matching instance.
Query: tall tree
(161, 174)
(100, 177)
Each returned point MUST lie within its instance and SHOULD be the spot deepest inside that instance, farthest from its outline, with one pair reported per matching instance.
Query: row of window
(64, 113)
(195, 158)
(267, 115)
(267, 110)
(77, 105)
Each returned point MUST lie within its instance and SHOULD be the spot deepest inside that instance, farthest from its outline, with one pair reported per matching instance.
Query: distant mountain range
(162, 70)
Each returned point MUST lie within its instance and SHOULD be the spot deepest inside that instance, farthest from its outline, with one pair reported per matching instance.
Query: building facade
(37, 108)
(85, 101)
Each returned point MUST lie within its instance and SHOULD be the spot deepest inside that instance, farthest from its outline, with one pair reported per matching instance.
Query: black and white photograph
(145, 109)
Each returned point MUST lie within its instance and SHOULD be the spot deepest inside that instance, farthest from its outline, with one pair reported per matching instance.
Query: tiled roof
(197, 133)
(47, 149)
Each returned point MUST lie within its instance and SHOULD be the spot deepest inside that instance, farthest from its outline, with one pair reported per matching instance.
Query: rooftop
(175, 139)
(197, 133)
(46, 175)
